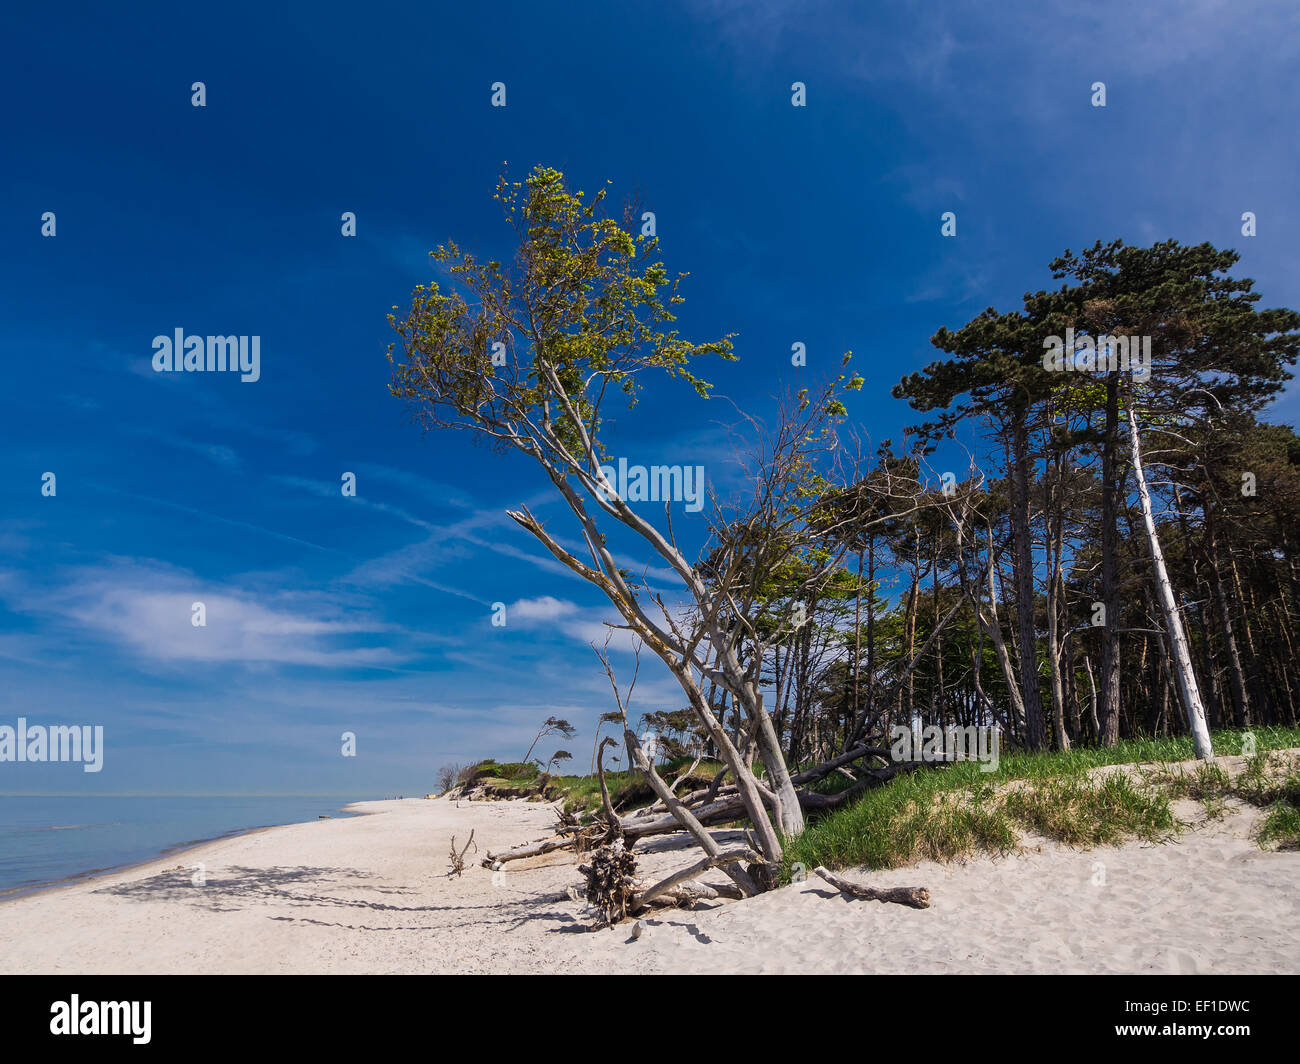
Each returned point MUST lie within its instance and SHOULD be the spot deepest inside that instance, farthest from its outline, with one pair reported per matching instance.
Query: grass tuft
(959, 810)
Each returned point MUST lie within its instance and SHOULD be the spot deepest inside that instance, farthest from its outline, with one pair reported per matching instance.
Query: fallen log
(916, 897)
(633, 828)
(531, 849)
(827, 767)
(682, 896)
(684, 816)
(873, 777)
(639, 826)
(712, 793)
(643, 827)
(664, 886)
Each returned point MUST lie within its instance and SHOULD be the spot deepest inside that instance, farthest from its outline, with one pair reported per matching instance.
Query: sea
(49, 840)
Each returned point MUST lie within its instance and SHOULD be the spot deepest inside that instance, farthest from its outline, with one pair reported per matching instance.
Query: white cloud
(150, 609)
(545, 608)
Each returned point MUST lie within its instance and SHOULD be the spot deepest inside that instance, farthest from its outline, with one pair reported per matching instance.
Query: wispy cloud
(150, 610)
(545, 608)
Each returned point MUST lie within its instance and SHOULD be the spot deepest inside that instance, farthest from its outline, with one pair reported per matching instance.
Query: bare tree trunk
(852, 724)
(910, 625)
(1182, 663)
(1054, 653)
(1248, 607)
(937, 692)
(789, 812)
(1110, 648)
(992, 627)
(1023, 573)
(1092, 699)
(1055, 524)
(871, 631)
(1236, 674)
(684, 816)
(746, 784)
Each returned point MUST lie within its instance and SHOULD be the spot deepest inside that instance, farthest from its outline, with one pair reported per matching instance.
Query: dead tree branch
(916, 897)
(458, 859)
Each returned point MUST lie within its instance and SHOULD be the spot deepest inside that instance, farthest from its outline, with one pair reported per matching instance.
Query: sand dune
(370, 894)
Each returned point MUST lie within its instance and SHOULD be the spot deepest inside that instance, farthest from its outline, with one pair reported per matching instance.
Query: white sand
(370, 894)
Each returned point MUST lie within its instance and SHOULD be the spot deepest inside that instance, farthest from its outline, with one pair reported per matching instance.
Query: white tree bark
(1183, 674)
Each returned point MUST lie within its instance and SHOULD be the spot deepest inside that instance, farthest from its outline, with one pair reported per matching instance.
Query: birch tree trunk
(1182, 663)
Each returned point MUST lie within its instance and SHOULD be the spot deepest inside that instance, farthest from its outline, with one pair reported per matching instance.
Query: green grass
(581, 794)
(937, 816)
(511, 771)
(514, 779)
(1084, 814)
(958, 811)
(1269, 782)
(1204, 783)
(954, 812)
(1281, 827)
(628, 790)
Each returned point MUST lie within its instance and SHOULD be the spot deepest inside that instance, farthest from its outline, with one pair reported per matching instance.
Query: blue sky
(372, 615)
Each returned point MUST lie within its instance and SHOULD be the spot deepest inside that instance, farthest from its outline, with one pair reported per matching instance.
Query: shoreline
(12, 894)
(371, 894)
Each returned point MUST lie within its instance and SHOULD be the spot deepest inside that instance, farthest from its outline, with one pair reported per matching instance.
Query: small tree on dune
(556, 758)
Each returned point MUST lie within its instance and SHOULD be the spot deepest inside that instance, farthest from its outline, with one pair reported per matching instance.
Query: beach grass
(629, 790)
(958, 810)
(581, 794)
(1270, 781)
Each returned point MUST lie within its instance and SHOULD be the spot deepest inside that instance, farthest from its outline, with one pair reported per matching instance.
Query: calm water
(46, 839)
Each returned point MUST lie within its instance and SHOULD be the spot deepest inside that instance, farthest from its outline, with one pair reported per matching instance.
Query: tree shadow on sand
(238, 887)
(297, 885)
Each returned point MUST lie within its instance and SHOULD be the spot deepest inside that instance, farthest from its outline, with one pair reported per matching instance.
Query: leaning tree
(525, 357)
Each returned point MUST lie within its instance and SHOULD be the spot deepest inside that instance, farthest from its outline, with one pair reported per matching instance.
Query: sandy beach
(371, 894)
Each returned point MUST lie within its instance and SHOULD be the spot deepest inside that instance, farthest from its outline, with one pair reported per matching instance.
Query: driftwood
(640, 826)
(695, 811)
(643, 827)
(730, 807)
(715, 791)
(916, 897)
(611, 886)
(611, 881)
(683, 896)
(873, 777)
(612, 828)
(531, 849)
(666, 886)
(827, 767)
(685, 817)
(632, 828)
(458, 859)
